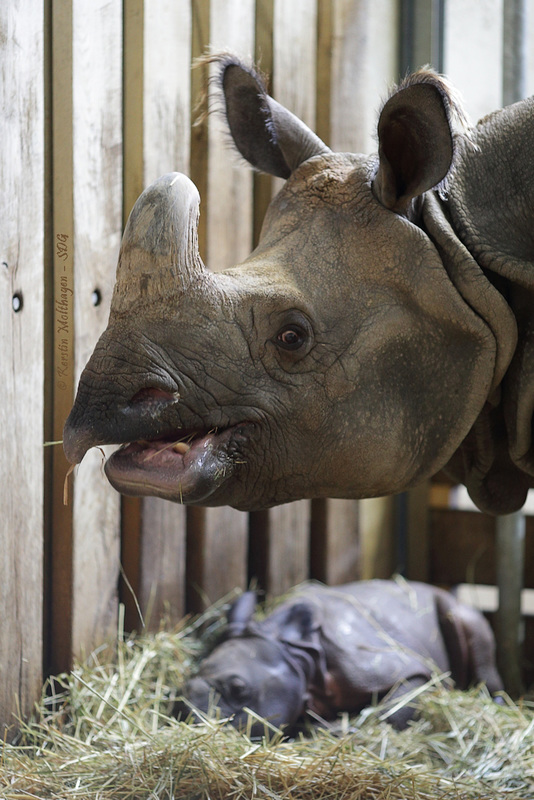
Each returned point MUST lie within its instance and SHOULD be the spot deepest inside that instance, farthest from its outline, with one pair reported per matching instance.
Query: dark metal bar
(510, 557)
(510, 550)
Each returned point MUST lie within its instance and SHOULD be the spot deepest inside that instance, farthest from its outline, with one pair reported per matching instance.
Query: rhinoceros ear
(266, 134)
(415, 139)
(299, 623)
(240, 613)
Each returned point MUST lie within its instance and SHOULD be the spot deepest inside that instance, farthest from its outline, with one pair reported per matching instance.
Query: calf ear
(299, 624)
(266, 134)
(240, 613)
(415, 140)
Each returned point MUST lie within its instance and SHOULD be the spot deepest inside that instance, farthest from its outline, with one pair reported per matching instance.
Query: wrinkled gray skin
(332, 649)
(377, 334)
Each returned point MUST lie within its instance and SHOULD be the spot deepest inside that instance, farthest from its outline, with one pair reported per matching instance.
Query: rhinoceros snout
(196, 694)
(183, 710)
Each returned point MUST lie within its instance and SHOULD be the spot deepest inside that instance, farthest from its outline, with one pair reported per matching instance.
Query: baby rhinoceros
(332, 649)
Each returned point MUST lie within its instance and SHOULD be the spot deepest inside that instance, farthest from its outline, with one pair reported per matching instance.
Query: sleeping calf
(332, 649)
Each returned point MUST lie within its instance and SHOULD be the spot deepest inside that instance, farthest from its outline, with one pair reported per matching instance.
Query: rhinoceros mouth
(185, 467)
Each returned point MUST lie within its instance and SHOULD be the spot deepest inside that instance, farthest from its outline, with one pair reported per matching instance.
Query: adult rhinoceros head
(339, 360)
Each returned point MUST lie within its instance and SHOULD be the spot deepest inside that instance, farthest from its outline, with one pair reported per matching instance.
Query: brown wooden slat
(162, 559)
(417, 557)
(133, 103)
(279, 546)
(323, 69)
(198, 171)
(263, 54)
(334, 541)
(378, 557)
(216, 554)
(132, 186)
(60, 545)
(131, 542)
(153, 559)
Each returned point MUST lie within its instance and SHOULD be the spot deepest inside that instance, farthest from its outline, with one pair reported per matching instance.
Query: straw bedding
(104, 732)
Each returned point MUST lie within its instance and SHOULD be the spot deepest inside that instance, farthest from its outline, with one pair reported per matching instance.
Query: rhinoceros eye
(291, 338)
(237, 688)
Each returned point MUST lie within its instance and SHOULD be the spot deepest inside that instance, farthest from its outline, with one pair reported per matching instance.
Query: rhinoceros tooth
(159, 252)
(181, 447)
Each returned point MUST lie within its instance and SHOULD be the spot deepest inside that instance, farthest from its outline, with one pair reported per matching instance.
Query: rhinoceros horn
(159, 252)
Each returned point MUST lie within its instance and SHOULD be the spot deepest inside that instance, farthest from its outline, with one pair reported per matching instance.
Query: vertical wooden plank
(200, 33)
(279, 537)
(377, 554)
(364, 65)
(216, 554)
(21, 369)
(87, 203)
(279, 546)
(323, 68)
(167, 89)
(418, 545)
(162, 561)
(295, 49)
(229, 222)
(133, 62)
(167, 140)
(61, 532)
(294, 55)
(157, 97)
(87, 163)
(217, 541)
(334, 534)
(422, 25)
(133, 103)
(473, 52)
(263, 54)
(335, 541)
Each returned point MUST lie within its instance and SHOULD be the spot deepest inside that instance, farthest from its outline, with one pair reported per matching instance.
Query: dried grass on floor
(105, 734)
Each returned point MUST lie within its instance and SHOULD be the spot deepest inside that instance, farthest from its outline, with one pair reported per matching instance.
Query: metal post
(510, 555)
(421, 34)
(511, 528)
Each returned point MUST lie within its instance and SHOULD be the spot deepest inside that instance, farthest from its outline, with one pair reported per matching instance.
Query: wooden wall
(98, 100)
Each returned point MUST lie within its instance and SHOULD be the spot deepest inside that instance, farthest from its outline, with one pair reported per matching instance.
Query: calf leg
(400, 717)
(470, 644)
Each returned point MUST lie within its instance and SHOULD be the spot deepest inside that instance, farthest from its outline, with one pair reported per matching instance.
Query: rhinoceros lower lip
(186, 468)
